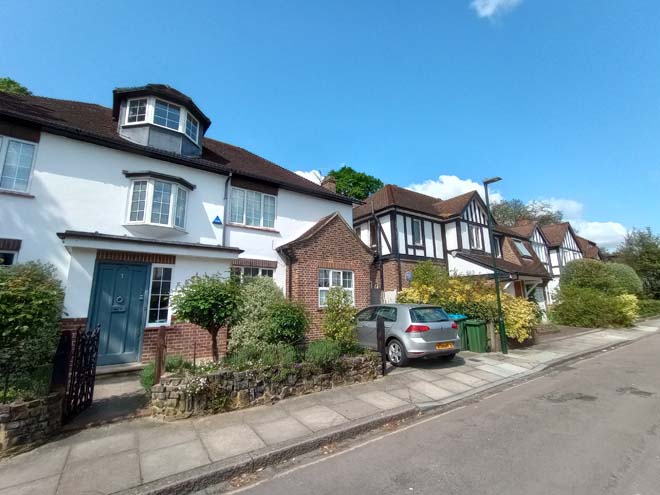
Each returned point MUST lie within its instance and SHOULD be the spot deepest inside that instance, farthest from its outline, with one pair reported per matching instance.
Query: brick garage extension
(331, 244)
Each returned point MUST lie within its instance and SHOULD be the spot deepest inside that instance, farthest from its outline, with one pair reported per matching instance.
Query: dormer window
(152, 110)
(158, 200)
(192, 127)
(137, 110)
(522, 249)
(167, 115)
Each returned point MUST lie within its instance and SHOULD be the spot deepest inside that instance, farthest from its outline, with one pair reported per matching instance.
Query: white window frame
(261, 217)
(475, 241)
(169, 306)
(241, 271)
(351, 290)
(420, 241)
(185, 127)
(4, 146)
(149, 204)
(151, 113)
(520, 246)
(146, 113)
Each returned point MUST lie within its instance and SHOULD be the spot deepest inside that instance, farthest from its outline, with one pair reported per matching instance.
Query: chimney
(330, 183)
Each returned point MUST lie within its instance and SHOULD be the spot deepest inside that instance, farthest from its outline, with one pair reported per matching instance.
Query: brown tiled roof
(453, 207)
(510, 231)
(524, 230)
(555, 233)
(95, 123)
(391, 195)
(317, 227)
(589, 248)
(512, 261)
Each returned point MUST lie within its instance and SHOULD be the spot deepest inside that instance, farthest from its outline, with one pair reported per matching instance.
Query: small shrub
(262, 356)
(323, 354)
(339, 319)
(258, 294)
(288, 323)
(173, 364)
(592, 308)
(649, 307)
(520, 317)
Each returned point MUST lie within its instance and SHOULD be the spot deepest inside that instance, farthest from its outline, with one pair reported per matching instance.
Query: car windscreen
(428, 315)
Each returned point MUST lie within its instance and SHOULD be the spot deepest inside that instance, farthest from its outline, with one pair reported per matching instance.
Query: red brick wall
(334, 247)
(183, 339)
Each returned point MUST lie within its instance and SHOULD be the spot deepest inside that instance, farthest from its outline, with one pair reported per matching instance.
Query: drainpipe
(224, 213)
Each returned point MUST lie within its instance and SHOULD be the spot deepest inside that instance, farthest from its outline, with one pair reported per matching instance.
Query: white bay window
(252, 208)
(157, 202)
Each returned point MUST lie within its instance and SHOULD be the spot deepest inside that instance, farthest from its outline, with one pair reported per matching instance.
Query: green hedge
(323, 354)
(31, 300)
(592, 308)
(649, 307)
(611, 278)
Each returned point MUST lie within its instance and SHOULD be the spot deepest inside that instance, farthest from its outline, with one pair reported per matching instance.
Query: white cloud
(448, 186)
(490, 8)
(605, 234)
(314, 175)
(569, 207)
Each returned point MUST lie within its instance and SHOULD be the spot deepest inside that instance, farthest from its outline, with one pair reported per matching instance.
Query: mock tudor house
(404, 227)
(130, 201)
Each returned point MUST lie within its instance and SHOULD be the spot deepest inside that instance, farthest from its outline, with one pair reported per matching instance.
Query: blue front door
(118, 305)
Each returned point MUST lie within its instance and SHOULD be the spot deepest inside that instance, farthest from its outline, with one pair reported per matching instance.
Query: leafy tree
(210, 302)
(641, 250)
(511, 211)
(8, 85)
(355, 184)
(339, 321)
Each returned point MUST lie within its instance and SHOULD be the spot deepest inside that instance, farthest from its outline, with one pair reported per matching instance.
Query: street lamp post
(500, 318)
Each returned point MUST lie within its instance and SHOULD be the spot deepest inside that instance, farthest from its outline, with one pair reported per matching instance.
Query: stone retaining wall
(23, 424)
(178, 397)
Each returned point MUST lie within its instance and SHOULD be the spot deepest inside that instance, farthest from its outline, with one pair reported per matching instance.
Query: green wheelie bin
(477, 335)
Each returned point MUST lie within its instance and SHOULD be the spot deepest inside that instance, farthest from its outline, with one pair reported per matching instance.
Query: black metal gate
(83, 372)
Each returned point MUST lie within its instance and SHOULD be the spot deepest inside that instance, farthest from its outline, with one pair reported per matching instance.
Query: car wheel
(396, 353)
(448, 357)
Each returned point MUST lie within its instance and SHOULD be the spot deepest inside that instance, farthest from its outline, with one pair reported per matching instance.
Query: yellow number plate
(444, 345)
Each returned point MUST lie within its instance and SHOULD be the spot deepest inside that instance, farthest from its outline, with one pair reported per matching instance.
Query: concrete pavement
(591, 427)
(158, 456)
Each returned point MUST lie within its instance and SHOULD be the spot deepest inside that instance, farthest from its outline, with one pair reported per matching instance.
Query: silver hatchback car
(411, 331)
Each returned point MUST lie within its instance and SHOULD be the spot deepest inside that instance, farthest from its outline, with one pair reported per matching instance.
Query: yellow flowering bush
(470, 296)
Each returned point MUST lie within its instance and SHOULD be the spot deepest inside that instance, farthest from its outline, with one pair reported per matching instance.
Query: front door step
(113, 370)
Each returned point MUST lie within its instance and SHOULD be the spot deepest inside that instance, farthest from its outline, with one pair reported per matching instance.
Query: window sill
(20, 194)
(253, 227)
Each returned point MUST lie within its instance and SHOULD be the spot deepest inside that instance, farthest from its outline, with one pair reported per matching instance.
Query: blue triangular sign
(217, 221)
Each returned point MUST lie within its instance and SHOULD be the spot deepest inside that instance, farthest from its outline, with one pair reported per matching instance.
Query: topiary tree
(31, 299)
(628, 282)
(339, 319)
(258, 295)
(590, 274)
(210, 302)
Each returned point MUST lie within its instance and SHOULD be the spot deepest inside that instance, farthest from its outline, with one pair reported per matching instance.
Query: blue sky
(561, 98)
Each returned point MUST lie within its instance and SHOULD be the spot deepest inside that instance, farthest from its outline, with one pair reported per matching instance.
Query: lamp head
(492, 180)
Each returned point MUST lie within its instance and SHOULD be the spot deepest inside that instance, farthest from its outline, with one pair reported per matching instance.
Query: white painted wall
(459, 266)
(451, 236)
(465, 237)
(387, 228)
(400, 221)
(80, 186)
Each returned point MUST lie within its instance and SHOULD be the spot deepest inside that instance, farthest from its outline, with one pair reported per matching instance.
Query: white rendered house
(130, 201)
